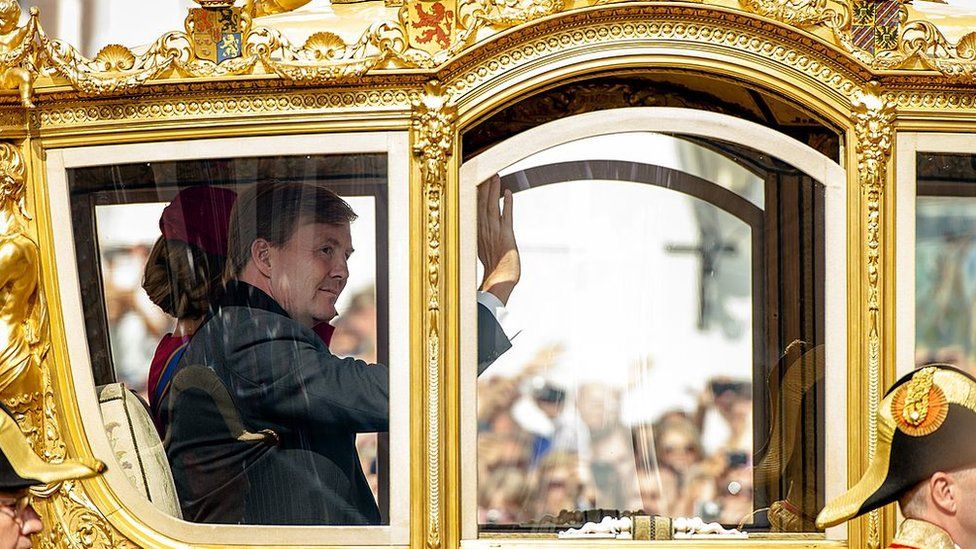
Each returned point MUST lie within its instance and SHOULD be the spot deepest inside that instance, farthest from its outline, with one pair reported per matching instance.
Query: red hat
(199, 216)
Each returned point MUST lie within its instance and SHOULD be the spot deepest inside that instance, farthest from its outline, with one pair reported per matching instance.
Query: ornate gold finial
(261, 8)
(16, 44)
(215, 4)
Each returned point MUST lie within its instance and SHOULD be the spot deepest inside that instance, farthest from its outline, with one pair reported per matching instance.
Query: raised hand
(497, 249)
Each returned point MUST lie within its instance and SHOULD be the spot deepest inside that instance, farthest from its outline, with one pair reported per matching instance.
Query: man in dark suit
(261, 419)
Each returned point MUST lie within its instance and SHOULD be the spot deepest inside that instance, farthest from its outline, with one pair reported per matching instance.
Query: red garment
(324, 330)
(199, 216)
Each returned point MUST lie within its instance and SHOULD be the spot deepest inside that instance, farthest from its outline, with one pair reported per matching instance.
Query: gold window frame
(373, 75)
(907, 146)
(391, 144)
(669, 121)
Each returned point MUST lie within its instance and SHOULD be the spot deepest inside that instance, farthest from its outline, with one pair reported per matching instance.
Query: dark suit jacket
(260, 421)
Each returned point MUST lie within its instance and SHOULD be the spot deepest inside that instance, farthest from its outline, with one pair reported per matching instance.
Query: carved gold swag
(423, 34)
(419, 34)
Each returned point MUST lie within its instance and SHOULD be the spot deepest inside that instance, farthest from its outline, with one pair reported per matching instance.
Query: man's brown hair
(273, 211)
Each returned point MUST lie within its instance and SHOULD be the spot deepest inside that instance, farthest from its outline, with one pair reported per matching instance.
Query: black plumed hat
(926, 423)
(20, 466)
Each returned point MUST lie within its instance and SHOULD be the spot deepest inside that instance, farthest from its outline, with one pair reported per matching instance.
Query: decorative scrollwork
(922, 40)
(911, 42)
(506, 13)
(433, 138)
(874, 116)
(799, 13)
(27, 52)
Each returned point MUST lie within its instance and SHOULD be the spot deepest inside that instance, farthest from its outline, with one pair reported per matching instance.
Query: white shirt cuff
(506, 319)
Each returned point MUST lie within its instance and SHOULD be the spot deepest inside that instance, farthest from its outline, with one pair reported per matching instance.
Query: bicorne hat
(926, 423)
(20, 466)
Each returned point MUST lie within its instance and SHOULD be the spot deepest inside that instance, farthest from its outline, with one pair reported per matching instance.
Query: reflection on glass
(668, 364)
(945, 260)
(161, 284)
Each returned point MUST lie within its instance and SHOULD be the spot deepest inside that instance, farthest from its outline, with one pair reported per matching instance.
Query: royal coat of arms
(216, 33)
(875, 25)
(431, 25)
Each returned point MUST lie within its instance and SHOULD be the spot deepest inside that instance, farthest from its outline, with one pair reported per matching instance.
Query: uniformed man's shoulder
(918, 534)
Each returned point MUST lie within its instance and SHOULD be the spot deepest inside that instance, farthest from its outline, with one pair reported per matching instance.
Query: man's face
(309, 271)
(966, 513)
(18, 522)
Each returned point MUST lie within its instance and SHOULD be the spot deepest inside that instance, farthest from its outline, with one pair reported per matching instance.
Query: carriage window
(945, 260)
(668, 357)
(236, 312)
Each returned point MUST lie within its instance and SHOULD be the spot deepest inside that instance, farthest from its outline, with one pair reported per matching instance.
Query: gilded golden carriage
(833, 140)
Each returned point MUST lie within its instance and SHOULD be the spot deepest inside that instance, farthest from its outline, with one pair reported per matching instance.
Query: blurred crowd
(955, 355)
(135, 323)
(543, 447)
(547, 450)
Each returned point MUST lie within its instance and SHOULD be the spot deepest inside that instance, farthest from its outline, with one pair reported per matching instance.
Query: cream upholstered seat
(137, 446)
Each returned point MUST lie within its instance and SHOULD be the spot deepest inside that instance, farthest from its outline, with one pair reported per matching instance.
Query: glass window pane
(670, 354)
(945, 260)
(244, 303)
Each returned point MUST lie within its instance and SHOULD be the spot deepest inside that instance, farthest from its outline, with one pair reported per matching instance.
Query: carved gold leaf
(918, 40)
(324, 57)
(800, 13)
(433, 136)
(27, 53)
(874, 116)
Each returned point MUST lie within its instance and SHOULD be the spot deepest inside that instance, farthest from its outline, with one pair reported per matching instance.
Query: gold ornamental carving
(419, 34)
(874, 116)
(433, 137)
(896, 43)
(220, 40)
(800, 13)
(685, 26)
(72, 114)
(70, 518)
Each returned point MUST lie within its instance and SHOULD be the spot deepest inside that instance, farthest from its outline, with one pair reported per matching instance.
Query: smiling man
(261, 419)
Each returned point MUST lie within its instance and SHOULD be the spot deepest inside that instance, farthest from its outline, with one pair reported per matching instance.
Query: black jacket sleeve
(492, 341)
(284, 373)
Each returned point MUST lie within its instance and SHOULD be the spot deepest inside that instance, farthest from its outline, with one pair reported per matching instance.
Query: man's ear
(944, 492)
(261, 256)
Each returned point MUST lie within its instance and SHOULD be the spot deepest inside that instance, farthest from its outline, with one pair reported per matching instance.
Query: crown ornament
(215, 4)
